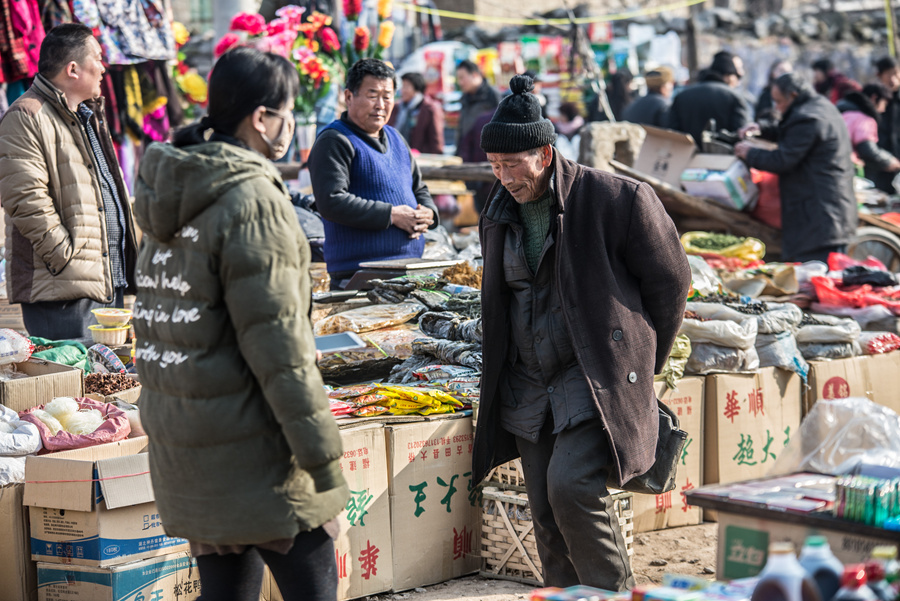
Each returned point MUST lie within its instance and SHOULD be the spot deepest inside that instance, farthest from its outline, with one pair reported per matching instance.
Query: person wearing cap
(583, 294)
(651, 108)
(712, 98)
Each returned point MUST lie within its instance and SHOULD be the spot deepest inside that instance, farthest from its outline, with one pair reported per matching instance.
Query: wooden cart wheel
(878, 243)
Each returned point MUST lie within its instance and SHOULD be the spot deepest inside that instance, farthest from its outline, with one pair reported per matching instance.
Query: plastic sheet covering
(704, 280)
(14, 348)
(12, 470)
(829, 330)
(781, 317)
(134, 418)
(780, 350)
(17, 437)
(114, 427)
(862, 315)
(712, 358)
(837, 435)
(726, 327)
(370, 318)
(829, 350)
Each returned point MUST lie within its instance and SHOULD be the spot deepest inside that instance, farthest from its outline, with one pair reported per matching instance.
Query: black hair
(569, 110)
(794, 83)
(469, 67)
(824, 65)
(62, 45)
(242, 80)
(369, 66)
(886, 63)
(415, 80)
(877, 90)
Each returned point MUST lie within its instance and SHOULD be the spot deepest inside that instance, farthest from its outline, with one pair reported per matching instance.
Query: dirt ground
(688, 550)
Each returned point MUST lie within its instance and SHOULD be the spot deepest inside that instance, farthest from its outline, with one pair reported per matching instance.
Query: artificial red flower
(352, 8)
(330, 41)
(319, 20)
(252, 23)
(228, 41)
(182, 67)
(361, 38)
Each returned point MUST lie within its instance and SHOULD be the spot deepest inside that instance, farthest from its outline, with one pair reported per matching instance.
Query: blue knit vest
(383, 178)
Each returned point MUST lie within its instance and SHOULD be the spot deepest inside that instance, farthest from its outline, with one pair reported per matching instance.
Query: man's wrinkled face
(370, 107)
(521, 173)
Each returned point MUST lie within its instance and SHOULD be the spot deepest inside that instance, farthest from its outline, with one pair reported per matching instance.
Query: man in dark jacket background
(567, 387)
(818, 206)
(713, 97)
(652, 108)
(478, 103)
(888, 70)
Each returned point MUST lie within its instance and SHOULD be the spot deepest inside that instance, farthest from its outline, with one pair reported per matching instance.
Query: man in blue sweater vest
(367, 185)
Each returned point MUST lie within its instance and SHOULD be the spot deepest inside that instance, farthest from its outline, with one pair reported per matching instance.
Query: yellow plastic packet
(749, 249)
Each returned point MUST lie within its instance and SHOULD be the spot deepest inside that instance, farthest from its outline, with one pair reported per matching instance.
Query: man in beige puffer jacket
(70, 237)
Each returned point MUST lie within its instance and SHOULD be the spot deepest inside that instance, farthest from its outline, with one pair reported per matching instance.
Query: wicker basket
(508, 476)
(508, 546)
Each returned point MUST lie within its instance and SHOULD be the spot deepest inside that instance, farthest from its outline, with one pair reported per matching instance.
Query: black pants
(577, 532)
(307, 572)
(65, 320)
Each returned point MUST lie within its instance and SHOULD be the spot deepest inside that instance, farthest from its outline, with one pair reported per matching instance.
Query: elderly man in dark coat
(818, 206)
(583, 294)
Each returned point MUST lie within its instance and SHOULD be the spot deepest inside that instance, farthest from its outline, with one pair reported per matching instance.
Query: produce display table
(746, 528)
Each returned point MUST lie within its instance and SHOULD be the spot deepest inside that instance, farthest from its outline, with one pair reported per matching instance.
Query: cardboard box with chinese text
(18, 574)
(743, 545)
(46, 381)
(95, 506)
(883, 378)
(435, 506)
(749, 419)
(655, 512)
(837, 379)
(363, 549)
(169, 578)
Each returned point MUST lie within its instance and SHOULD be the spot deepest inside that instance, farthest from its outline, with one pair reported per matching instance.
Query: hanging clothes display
(130, 31)
(55, 12)
(21, 34)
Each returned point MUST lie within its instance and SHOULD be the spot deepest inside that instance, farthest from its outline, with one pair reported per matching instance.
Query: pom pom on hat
(518, 124)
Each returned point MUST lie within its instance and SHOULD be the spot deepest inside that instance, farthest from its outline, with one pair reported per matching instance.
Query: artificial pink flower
(330, 41)
(280, 43)
(292, 14)
(352, 8)
(302, 53)
(228, 41)
(276, 26)
(252, 23)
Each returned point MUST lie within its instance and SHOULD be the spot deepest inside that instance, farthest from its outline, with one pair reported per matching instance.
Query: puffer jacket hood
(177, 184)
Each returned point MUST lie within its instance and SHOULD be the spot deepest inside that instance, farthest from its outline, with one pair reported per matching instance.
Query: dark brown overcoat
(624, 278)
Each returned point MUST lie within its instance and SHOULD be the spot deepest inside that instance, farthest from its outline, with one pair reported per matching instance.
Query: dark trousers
(65, 320)
(307, 572)
(578, 536)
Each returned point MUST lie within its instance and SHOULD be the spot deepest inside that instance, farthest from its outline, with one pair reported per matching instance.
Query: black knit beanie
(517, 124)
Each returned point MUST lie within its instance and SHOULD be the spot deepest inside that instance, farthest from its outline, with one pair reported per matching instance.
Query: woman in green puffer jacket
(243, 448)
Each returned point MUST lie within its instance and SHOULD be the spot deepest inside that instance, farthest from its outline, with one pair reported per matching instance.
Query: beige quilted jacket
(56, 242)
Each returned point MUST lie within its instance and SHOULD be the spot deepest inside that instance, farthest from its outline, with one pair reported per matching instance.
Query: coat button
(550, 389)
(90, 166)
(632, 377)
(617, 335)
(100, 208)
(105, 254)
